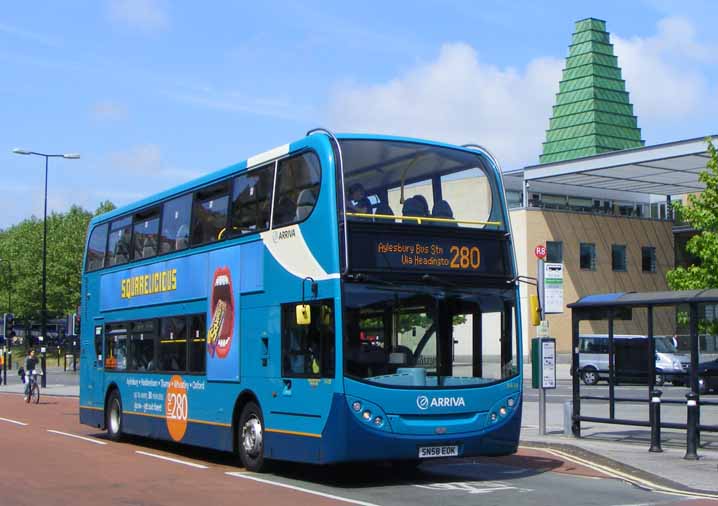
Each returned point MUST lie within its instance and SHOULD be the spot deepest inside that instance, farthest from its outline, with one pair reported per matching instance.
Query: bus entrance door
(94, 365)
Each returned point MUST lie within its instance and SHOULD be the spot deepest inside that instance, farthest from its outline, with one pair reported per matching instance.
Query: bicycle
(33, 389)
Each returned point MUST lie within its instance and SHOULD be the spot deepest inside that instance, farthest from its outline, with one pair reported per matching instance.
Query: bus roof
(256, 160)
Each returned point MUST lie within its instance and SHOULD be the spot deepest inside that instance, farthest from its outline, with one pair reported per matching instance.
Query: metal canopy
(644, 299)
(663, 169)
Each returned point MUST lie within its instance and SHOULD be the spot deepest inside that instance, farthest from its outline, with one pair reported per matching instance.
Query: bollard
(567, 418)
(58, 356)
(692, 422)
(655, 416)
(43, 366)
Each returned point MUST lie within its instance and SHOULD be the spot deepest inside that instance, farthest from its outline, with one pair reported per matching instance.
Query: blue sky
(153, 93)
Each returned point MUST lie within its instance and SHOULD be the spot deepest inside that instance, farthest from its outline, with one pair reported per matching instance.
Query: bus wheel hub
(252, 436)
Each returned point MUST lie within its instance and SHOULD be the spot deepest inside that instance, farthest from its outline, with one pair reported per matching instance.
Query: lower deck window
(173, 344)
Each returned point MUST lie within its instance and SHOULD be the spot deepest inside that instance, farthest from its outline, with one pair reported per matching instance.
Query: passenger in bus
(357, 200)
(415, 206)
(383, 209)
(442, 209)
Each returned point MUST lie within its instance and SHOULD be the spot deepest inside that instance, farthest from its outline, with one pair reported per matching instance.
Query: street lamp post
(8, 283)
(43, 314)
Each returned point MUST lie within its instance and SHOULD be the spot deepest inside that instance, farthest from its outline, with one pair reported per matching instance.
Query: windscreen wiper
(366, 278)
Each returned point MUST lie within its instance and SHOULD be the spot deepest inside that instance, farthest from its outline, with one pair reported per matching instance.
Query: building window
(618, 257)
(554, 252)
(648, 259)
(588, 256)
(514, 199)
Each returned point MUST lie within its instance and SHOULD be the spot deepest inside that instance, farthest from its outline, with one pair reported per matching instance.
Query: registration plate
(430, 452)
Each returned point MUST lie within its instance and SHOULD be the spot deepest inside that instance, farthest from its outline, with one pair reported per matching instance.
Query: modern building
(600, 200)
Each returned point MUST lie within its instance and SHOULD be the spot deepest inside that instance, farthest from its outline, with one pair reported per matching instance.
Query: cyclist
(30, 364)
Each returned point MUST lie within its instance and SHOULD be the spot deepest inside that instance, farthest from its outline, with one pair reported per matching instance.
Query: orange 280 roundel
(176, 408)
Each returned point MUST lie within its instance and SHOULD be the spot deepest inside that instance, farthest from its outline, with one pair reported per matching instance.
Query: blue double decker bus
(340, 298)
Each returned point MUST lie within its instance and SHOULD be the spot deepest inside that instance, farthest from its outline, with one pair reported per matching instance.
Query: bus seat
(442, 209)
(415, 206)
(383, 208)
(305, 204)
(284, 211)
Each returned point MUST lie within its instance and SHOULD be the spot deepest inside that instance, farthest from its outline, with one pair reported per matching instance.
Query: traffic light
(75, 324)
(9, 326)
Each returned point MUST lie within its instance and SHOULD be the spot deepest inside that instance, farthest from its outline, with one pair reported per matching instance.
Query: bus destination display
(451, 255)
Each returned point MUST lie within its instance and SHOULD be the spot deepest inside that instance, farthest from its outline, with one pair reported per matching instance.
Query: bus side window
(172, 354)
(209, 213)
(308, 350)
(251, 201)
(118, 245)
(175, 224)
(298, 181)
(96, 248)
(197, 342)
(145, 234)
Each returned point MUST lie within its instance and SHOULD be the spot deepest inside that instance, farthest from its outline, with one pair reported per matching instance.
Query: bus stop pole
(542, 390)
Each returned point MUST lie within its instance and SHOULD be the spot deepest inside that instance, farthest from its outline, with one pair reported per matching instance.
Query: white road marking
(472, 487)
(13, 421)
(176, 461)
(300, 489)
(89, 440)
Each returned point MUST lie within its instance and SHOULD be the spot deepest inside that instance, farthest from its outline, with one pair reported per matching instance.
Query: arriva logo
(423, 402)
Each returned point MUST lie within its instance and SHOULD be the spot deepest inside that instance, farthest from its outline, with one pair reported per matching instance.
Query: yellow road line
(620, 475)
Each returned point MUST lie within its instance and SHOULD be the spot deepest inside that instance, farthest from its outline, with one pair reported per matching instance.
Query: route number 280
(177, 407)
(465, 257)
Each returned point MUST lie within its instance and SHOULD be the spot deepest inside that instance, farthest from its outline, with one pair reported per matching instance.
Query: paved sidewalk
(625, 449)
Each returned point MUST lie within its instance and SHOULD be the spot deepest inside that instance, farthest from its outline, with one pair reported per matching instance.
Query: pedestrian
(30, 364)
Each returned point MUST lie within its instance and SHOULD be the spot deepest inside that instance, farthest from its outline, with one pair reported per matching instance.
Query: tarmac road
(53, 460)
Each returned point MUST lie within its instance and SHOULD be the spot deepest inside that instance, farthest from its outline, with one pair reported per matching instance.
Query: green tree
(21, 251)
(701, 212)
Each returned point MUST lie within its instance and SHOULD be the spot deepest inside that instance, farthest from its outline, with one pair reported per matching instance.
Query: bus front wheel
(251, 438)
(113, 416)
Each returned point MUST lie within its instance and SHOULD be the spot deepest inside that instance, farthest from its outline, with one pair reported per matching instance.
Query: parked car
(593, 358)
(708, 376)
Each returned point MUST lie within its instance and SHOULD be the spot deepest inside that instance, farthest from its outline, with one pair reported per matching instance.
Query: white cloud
(148, 15)
(147, 161)
(459, 99)
(140, 159)
(108, 111)
(661, 72)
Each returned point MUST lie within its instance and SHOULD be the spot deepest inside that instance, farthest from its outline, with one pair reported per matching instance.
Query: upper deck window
(404, 182)
(146, 232)
(96, 248)
(252, 200)
(297, 189)
(209, 213)
(175, 224)
(118, 244)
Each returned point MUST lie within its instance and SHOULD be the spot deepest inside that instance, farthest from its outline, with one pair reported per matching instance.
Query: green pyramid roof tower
(592, 114)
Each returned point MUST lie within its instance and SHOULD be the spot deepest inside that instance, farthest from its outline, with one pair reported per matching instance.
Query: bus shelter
(640, 308)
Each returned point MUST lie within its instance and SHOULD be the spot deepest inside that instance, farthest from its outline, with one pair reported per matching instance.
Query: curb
(616, 469)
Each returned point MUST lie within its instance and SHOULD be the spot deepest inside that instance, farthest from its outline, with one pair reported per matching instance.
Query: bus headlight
(356, 406)
(366, 415)
(493, 417)
(511, 402)
(378, 421)
(502, 411)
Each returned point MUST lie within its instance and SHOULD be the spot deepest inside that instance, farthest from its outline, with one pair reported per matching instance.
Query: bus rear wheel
(113, 416)
(250, 438)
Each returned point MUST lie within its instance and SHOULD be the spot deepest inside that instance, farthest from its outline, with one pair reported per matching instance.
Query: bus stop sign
(540, 251)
